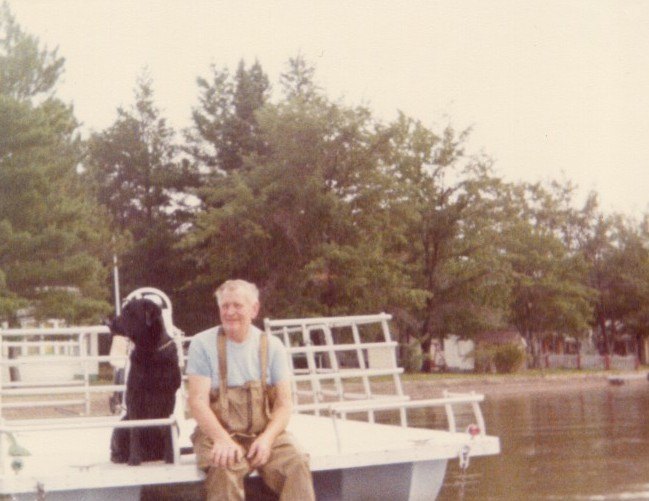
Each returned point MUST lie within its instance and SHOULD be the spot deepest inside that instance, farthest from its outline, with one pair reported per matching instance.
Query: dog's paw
(134, 461)
(117, 459)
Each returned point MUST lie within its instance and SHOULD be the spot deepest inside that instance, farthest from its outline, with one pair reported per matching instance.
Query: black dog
(152, 381)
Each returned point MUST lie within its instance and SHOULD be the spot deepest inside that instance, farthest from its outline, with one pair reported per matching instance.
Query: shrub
(412, 357)
(508, 358)
(484, 358)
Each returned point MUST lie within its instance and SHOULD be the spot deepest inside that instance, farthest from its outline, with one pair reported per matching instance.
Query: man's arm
(226, 452)
(259, 452)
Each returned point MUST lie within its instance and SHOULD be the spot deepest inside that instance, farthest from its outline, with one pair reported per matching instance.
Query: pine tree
(225, 130)
(52, 235)
(138, 174)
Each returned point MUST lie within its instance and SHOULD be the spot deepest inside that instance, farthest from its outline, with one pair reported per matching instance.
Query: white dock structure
(364, 435)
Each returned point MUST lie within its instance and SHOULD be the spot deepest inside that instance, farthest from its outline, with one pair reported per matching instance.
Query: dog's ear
(149, 314)
(152, 314)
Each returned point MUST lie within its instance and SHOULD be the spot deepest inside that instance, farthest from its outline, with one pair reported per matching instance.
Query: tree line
(330, 210)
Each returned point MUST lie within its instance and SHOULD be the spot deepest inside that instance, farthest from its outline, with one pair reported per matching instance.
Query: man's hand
(226, 453)
(259, 452)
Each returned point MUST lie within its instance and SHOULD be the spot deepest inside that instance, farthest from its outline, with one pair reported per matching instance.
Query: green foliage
(550, 292)
(508, 358)
(500, 358)
(137, 173)
(618, 253)
(225, 127)
(412, 357)
(449, 212)
(298, 82)
(327, 209)
(9, 301)
(134, 169)
(484, 355)
(26, 69)
(300, 217)
(52, 232)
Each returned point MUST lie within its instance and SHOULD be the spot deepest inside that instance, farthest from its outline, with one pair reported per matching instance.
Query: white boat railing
(340, 410)
(330, 354)
(37, 349)
(333, 359)
(38, 352)
(50, 373)
(342, 358)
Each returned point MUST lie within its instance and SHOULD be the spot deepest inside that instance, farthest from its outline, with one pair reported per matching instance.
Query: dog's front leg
(135, 447)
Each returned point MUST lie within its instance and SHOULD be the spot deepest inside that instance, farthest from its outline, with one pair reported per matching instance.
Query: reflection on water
(571, 445)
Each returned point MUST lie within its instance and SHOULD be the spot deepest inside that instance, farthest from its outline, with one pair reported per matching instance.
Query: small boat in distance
(365, 437)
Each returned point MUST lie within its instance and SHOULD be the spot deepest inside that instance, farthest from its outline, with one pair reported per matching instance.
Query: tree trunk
(612, 338)
(533, 348)
(426, 365)
(602, 326)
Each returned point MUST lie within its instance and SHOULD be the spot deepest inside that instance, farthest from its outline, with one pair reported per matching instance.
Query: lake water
(581, 445)
(588, 444)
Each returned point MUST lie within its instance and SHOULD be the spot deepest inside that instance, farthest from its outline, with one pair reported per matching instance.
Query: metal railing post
(86, 377)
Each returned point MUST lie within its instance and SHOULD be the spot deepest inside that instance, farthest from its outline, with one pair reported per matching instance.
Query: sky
(551, 89)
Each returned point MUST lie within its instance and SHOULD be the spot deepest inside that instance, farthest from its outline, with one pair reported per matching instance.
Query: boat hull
(420, 481)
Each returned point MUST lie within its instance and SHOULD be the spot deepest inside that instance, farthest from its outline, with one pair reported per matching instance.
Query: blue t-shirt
(242, 358)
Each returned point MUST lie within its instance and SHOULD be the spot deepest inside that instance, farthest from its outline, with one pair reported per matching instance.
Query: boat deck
(79, 458)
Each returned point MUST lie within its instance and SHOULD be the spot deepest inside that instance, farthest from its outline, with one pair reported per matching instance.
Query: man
(229, 367)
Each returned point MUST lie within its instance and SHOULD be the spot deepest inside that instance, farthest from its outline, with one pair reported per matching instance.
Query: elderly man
(240, 396)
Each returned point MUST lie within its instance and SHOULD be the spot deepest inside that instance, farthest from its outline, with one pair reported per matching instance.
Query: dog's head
(141, 321)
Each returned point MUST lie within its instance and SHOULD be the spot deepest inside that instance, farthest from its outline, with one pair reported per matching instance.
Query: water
(590, 444)
(581, 445)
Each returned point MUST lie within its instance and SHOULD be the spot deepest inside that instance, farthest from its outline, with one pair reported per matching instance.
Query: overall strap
(263, 360)
(223, 374)
(223, 369)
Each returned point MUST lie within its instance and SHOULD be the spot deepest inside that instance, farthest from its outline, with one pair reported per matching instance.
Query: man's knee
(225, 483)
(298, 465)
(288, 473)
(287, 456)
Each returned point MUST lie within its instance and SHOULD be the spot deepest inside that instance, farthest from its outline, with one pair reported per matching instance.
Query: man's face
(237, 312)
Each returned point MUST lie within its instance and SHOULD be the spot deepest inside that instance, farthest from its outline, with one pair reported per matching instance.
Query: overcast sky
(553, 89)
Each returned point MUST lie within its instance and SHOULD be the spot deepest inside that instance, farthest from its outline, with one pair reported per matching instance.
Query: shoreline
(516, 384)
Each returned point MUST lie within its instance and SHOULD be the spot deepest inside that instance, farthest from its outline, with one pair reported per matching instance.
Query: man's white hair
(250, 290)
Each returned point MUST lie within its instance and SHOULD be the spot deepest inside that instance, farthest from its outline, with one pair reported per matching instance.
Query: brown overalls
(244, 411)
